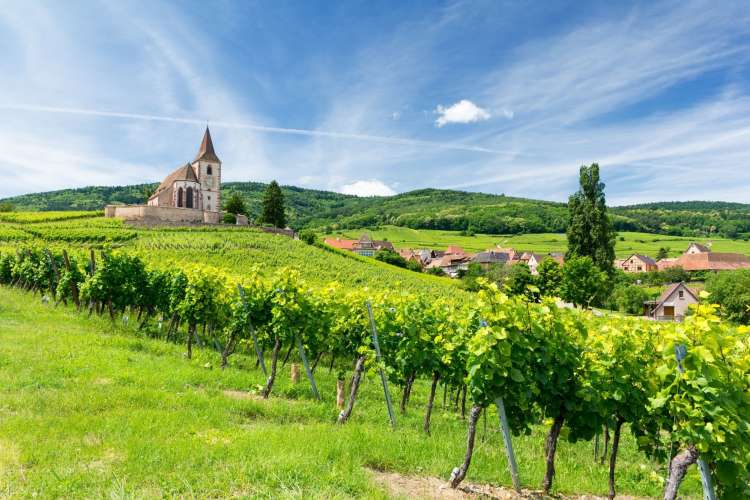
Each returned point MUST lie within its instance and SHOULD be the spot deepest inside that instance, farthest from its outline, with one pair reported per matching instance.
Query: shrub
(229, 218)
(307, 236)
(731, 290)
(390, 257)
(583, 282)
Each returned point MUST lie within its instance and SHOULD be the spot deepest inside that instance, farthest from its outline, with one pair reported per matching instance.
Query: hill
(237, 250)
(432, 209)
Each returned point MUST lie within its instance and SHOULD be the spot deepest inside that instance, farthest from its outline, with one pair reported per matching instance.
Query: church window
(189, 197)
(209, 171)
(179, 197)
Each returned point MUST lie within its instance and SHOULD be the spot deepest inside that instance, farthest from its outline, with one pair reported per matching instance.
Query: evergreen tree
(235, 204)
(273, 206)
(590, 231)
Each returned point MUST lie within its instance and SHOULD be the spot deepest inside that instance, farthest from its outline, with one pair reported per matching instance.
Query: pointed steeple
(206, 152)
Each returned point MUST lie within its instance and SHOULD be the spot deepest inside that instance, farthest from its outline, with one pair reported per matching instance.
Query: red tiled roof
(184, 173)
(455, 250)
(340, 244)
(711, 261)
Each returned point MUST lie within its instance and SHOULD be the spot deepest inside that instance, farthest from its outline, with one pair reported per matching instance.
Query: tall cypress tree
(273, 206)
(590, 231)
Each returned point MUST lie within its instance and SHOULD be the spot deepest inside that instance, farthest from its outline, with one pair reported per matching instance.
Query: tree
(6, 206)
(273, 206)
(549, 278)
(390, 257)
(731, 290)
(663, 253)
(469, 277)
(235, 204)
(583, 282)
(590, 231)
(629, 298)
(518, 280)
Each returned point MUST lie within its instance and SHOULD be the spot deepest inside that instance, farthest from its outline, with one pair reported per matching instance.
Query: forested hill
(430, 209)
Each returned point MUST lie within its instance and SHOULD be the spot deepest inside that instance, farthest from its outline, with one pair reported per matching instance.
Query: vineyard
(682, 391)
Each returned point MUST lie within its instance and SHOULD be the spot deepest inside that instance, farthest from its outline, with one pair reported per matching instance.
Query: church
(191, 194)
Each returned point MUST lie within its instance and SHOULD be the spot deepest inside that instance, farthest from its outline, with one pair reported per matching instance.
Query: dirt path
(401, 486)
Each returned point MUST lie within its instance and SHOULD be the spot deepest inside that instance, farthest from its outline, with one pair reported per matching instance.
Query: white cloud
(464, 111)
(372, 187)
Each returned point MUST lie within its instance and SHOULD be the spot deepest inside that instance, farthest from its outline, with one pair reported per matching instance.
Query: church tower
(207, 168)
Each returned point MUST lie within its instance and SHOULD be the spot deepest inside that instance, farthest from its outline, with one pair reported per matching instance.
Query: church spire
(206, 152)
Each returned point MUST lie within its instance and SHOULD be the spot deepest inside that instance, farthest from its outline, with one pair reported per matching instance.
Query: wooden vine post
(73, 284)
(508, 444)
(310, 377)
(258, 352)
(383, 378)
(55, 273)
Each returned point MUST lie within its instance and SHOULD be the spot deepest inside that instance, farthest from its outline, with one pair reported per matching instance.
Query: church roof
(206, 152)
(184, 173)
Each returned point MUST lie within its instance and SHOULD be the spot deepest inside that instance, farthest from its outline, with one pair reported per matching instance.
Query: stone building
(192, 193)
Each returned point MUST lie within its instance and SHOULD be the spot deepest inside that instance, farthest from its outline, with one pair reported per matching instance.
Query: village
(672, 304)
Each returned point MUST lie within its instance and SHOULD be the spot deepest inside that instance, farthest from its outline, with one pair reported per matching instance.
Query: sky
(377, 98)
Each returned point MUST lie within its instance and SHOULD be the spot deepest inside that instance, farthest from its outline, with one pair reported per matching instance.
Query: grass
(91, 409)
(644, 243)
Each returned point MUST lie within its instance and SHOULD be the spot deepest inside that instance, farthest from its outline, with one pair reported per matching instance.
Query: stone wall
(169, 214)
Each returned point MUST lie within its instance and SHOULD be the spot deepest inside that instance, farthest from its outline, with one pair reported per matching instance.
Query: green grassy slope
(433, 209)
(91, 409)
(627, 243)
(237, 250)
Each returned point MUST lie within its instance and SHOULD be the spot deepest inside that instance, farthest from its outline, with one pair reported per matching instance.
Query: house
(512, 254)
(699, 257)
(410, 255)
(364, 246)
(672, 305)
(451, 264)
(694, 248)
(533, 261)
(191, 193)
(638, 263)
(489, 258)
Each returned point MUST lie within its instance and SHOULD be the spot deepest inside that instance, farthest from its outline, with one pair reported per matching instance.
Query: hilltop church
(192, 193)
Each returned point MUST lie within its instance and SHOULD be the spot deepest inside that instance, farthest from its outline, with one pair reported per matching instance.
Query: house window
(681, 294)
(640, 268)
(209, 170)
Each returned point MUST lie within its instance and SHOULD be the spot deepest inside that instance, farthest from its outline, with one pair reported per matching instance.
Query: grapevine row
(576, 372)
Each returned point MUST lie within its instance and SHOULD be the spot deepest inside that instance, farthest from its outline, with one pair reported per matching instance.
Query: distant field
(644, 243)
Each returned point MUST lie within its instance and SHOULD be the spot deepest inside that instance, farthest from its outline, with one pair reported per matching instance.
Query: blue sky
(375, 97)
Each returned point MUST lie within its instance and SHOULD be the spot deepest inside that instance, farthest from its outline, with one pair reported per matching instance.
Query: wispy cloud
(657, 93)
(257, 128)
